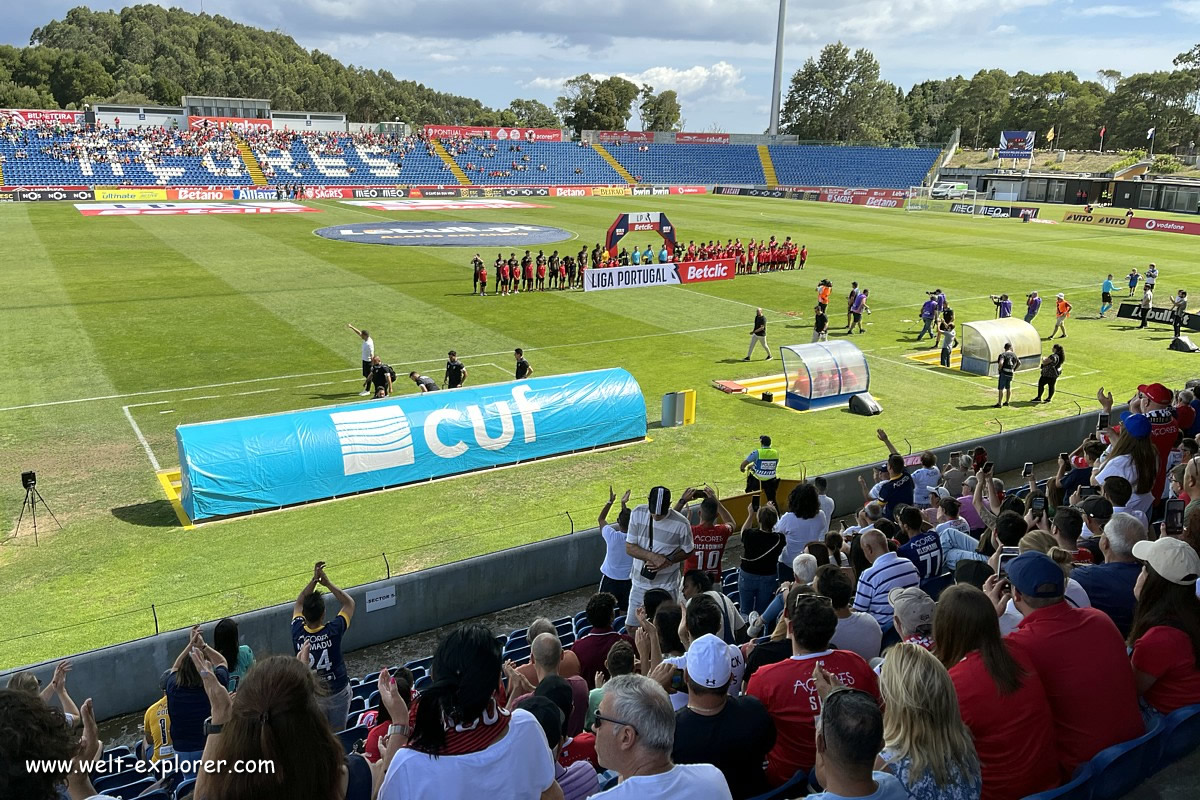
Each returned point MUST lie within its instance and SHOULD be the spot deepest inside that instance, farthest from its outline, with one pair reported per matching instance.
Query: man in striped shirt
(887, 571)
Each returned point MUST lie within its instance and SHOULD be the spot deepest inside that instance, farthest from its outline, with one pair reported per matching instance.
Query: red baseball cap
(1157, 392)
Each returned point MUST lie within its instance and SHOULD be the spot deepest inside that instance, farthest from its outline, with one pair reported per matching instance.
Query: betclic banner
(257, 463)
(674, 274)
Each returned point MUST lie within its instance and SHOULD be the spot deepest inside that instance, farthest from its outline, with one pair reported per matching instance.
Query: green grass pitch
(136, 310)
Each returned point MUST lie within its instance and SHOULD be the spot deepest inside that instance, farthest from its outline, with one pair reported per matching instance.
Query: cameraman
(1003, 306)
(1033, 304)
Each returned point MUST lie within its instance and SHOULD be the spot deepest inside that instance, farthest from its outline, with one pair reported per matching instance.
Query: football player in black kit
(512, 273)
(554, 270)
(527, 272)
(476, 265)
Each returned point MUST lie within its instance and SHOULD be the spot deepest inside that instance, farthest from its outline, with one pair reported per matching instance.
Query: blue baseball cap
(1138, 425)
(1037, 575)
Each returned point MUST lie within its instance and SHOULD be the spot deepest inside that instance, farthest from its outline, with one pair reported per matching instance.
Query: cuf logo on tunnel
(381, 437)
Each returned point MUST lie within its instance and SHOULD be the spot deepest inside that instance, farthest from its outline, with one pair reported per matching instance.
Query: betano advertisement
(257, 463)
(647, 275)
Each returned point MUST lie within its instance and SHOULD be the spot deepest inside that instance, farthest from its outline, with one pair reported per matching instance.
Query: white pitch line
(355, 369)
(256, 391)
(141, 438)
(310, 385)
(168, 411)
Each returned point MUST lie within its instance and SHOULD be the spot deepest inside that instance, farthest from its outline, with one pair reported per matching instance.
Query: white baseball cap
(1060, 295)
(708, 662)
(1174, 559)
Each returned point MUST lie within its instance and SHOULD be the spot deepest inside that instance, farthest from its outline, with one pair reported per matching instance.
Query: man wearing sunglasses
(849, 737)
(635, 732)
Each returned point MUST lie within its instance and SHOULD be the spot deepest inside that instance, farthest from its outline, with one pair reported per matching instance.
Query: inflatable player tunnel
(635, 222)
(239, 466)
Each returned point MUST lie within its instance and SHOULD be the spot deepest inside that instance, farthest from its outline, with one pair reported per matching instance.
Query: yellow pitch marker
(933, 358)
(172, 484)
(777, 384)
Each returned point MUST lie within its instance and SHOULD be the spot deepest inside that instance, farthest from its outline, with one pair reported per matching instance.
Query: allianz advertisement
(258, 463)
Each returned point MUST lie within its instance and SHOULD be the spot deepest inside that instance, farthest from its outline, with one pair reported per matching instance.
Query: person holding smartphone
(659, 540)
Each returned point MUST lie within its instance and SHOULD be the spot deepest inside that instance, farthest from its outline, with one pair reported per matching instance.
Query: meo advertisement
(674, 274)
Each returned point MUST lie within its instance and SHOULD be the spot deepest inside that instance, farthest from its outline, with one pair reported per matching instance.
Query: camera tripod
(32, 498)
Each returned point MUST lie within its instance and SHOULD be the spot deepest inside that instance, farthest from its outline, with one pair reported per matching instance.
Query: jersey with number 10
(710, 541)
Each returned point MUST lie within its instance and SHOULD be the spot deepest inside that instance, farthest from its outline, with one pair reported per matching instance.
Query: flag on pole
(1050, 135)
(1103, 128)
(1150, 133)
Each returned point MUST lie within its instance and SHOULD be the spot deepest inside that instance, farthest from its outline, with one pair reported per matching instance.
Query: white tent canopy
(982, 343)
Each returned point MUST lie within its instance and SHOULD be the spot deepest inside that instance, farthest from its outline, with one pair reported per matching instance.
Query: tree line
(839, 96)
(147, 54)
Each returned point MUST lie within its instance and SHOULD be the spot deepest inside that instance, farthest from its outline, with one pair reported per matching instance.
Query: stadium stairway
(450, 162)
(2, 173)
(764, 155)
(607, 156)
(248, 158)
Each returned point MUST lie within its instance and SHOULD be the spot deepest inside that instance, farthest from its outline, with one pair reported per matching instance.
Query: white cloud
(1127, 11)
(1004, 30)
(720, 82)
(1189, 8)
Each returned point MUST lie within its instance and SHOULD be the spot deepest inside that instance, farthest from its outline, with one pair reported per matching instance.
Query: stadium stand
(70, 155)
(878, 167)
(692, 163)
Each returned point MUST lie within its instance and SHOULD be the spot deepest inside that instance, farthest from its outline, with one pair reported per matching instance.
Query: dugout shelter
(823, 374)
(982, 343)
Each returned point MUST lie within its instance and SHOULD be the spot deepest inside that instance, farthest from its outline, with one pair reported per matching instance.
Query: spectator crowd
(956, 640)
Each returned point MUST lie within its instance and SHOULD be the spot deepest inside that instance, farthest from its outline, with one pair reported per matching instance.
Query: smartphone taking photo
(1007, 554)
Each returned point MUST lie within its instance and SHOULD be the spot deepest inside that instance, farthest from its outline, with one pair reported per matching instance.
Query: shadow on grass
(155, 514)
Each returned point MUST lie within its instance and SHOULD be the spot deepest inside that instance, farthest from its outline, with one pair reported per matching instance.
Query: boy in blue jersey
(324, 643)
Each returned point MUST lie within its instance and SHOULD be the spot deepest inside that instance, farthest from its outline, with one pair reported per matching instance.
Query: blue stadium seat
(185, 788)
(351, 737)
(157, 794)
(357, 704)
(423, 683)
(128, 790)
(420, 664)
(1180, 736)
(1117, 769)
(937, 584)
(363, 690)
(1078, 788)
(795, 787)
(853, 166)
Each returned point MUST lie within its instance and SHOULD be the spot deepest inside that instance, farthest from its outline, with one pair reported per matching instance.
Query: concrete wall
(124, 678)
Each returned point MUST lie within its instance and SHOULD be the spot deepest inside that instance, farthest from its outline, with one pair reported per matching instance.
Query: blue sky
(718, 54)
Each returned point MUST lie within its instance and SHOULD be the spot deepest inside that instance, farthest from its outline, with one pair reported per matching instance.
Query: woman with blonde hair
(926, 744)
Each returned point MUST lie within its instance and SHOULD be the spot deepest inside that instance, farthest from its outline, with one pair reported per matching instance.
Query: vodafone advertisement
(702, 138)
(500, 134)
(228, 122)
(1164, 225)
(26, 116)
(648, 275)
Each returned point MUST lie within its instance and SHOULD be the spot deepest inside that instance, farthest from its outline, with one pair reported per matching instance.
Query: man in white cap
(734, 734)
(659, 539)
(1062, 310)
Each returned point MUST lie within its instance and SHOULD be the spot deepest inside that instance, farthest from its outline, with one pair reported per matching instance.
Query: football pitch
(114, 330)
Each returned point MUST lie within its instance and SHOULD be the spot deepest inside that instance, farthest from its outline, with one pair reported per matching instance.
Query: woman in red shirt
(1000, 697)
(1165, 636)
